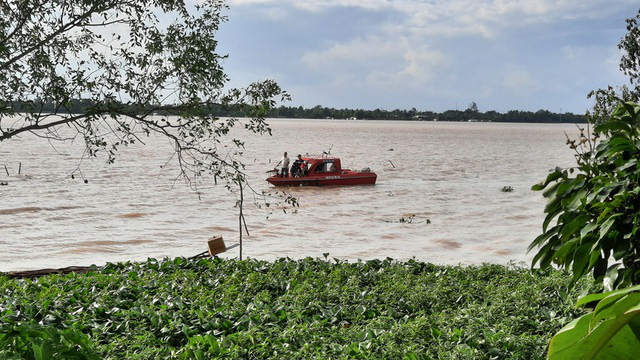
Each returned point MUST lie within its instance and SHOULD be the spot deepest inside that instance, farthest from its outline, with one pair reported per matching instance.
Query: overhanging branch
(9, 133)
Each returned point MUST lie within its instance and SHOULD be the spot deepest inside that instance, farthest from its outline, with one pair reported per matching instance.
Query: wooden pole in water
(7, 170)
(392, 164)
(20, 168)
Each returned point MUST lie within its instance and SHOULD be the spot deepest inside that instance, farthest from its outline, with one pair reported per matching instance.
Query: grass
(305, 309)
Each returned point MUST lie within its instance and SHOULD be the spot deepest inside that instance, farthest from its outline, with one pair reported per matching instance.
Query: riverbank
(310, 308)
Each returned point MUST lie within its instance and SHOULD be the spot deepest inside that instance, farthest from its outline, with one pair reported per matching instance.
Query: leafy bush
(597, 213)
(308, 308)
(596, 206)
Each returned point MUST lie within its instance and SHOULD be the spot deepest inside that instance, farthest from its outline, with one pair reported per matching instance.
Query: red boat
(322, 171)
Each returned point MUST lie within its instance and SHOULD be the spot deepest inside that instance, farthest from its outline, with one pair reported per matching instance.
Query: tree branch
(64, 28)
(7, 134)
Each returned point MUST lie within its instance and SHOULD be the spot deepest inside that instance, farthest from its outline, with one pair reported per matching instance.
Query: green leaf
(569, 229)
(543, 237)
(613, 296)
(621, 248)
(607, 333)
(576, 200)
(553, 176)
(595, 255)
(617, 149)
(613, 126)
(630, 107)
(544, 252)
(587, 229)
(551, 190)
(569, 185)
(591, 298)
(567, 248)
(615, 305)
(548, 220)
(611, 277)
(604, 229)
(37, 351)
(581, 258)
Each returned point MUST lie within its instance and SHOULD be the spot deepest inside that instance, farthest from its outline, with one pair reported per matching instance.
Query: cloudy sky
(429, 54)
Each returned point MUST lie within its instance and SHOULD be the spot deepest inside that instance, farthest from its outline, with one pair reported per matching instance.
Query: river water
(438, 197)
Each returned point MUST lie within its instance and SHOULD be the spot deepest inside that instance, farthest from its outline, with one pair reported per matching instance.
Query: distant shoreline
(429, 121)
(472, 114)
(469, 115)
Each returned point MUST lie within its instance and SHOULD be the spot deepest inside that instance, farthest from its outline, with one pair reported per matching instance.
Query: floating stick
(19, 168)
(392, 164)
(7, 170)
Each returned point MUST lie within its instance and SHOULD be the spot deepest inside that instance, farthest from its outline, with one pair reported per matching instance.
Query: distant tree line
(320, 112)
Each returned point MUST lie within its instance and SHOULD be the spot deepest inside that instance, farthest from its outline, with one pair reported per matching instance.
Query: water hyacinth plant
(306, 309)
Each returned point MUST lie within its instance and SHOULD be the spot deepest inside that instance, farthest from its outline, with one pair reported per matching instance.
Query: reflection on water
(448, 173)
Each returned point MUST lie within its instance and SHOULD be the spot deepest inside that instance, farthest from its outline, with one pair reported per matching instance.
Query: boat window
(326, 168)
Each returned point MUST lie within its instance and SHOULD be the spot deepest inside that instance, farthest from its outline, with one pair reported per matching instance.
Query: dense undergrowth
(309, 308)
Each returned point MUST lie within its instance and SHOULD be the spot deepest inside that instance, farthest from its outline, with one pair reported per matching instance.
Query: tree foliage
(593, 210)
(607, 99)
(141, 67)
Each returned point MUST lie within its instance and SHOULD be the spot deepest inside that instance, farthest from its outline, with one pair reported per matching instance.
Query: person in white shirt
(284, 170)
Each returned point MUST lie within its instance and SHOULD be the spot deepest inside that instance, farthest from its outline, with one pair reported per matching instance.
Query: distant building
(420, 117)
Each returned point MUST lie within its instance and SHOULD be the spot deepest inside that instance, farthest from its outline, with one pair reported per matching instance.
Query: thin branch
(64, 28)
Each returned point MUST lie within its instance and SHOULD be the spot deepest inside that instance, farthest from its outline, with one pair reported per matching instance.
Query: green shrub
(596, 229)
(593, 210)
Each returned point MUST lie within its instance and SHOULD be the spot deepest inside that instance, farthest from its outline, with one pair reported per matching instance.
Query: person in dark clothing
(297, 169)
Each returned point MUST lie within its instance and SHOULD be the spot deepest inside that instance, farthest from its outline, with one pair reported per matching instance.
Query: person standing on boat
(284, 171)
(297, 168)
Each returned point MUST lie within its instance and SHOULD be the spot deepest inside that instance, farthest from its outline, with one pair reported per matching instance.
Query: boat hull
(335, 180)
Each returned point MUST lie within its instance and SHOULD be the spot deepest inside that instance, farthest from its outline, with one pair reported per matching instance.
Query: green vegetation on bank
(320, 112)
(470, 114)
(309, 308)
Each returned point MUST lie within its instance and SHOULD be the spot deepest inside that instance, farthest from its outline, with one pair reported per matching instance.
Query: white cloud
(356, 51)
(518, 80)
(377, 61)
(420, 67)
